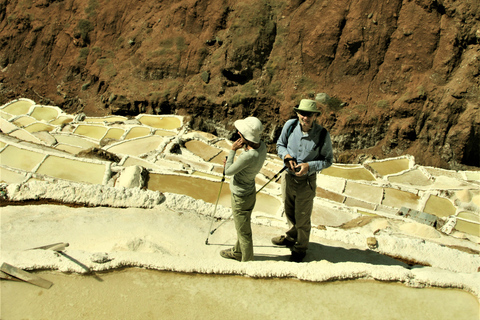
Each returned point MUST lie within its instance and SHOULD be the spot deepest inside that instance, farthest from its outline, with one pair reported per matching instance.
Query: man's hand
(290, 162)
(301, 169)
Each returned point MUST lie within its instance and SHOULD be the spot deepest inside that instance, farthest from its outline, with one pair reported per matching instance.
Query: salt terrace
(153, 159)
(182, 161)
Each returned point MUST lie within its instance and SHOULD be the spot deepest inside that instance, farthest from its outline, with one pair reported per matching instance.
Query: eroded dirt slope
(402, 76)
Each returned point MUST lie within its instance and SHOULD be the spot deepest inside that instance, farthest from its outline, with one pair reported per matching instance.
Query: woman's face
(241, 137)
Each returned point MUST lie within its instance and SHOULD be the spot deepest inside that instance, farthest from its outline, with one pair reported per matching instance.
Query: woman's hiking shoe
(283, 241)
(229, 254)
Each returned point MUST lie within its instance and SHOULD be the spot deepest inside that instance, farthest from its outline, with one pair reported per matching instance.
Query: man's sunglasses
(305, 113)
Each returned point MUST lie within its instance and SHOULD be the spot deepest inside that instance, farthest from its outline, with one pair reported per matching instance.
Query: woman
(242, 186)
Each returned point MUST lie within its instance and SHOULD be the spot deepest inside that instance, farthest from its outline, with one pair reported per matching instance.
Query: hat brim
(296, 109)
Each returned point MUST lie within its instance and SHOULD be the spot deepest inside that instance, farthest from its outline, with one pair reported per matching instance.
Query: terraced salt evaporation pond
(468, 227)
(349, 172)
(137, 146)
(19, 107)
(24, 121)
(206, 190)
(45, 113)
(149, 294)
(38, 126)
(74, 170)
(91, 131)
(352, 189)
(20, 158)
(166, 122)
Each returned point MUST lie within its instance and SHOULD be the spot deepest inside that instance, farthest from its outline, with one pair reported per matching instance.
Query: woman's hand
(237, 144)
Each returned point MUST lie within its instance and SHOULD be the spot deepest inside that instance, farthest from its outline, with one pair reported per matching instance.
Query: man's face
(306, 119)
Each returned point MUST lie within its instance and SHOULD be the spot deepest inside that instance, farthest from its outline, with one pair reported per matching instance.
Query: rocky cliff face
(399, 76)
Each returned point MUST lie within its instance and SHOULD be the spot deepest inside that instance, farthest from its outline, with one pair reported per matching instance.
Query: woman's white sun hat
(250, 128)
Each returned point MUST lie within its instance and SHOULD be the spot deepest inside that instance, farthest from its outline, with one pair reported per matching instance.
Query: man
(306, 149)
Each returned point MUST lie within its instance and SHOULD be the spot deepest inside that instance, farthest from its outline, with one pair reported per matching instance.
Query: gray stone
(372, 242)
(322, 98)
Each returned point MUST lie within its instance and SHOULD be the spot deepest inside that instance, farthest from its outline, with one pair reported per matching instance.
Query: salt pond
(147, 294)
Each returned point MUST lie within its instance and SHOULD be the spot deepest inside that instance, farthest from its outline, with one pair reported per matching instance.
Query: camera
(287, 163)
(234, 136)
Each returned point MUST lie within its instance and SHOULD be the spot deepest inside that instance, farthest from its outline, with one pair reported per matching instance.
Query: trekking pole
(275, 176)
(216, 203)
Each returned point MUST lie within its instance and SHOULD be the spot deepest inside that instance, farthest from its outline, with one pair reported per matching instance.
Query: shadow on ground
(319, 252)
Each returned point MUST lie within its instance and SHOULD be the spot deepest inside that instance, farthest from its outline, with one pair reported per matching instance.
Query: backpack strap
(290, 129)
(320, 143)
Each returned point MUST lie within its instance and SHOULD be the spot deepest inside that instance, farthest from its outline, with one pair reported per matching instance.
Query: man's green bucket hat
(307, 105)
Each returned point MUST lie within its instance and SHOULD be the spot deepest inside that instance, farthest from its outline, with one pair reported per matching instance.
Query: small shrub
(382, 104)
(92, 7)
(85, 86)
(305, 83)
(157, 53)
(274, 88)
(96, 53)
(11, 18)
(107, 67)
(274, 63)
(361, 107)
(180, 43)
(84, 27)
(249, 89)
(202, 55)
(335, 104)
(166, 43)
(421, 91)
(84, 53)
(352, 118)
(237, 99)
(205, 76)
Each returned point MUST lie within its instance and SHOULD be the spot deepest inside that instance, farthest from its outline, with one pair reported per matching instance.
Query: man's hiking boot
(229, 254)
(297, 256)
(283, 241)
